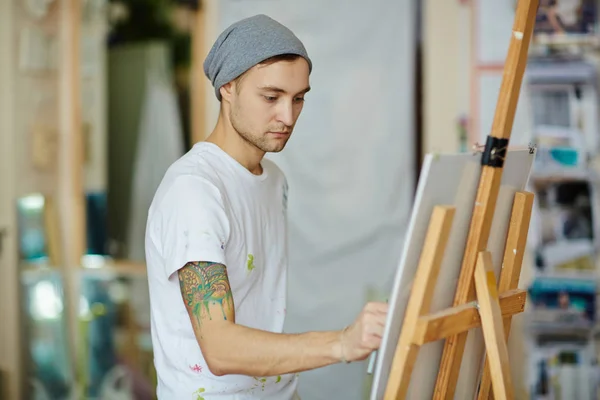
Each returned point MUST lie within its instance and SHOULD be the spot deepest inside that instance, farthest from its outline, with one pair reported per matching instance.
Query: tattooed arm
(230, 348)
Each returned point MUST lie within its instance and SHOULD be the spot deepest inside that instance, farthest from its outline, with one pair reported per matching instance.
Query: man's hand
(364, 335)
(230, 348)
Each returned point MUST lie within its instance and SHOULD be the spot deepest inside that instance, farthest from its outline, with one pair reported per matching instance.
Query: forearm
(236, 349)
(229, 348)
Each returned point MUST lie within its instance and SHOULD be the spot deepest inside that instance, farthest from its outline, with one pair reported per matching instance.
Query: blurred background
(98, 97)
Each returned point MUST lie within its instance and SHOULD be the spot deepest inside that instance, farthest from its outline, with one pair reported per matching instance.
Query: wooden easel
(479, 300)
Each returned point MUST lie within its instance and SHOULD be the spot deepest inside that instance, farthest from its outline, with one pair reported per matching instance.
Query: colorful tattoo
(204, 284)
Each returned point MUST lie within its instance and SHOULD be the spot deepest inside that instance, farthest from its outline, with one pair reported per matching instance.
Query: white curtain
(350, 164)
(160, 143)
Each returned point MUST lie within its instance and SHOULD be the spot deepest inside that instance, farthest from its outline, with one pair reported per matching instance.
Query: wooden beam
(72, 145)
(493, 331)
(11, 341)
(71, 166)
(198, 110)
(514, 251)
(487, 192)
(419, 301)
(455, 320)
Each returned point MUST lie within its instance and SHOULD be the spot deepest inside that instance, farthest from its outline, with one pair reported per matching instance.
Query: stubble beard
(259, 141)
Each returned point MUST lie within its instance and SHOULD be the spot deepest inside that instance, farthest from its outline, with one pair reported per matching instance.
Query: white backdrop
(349, 164)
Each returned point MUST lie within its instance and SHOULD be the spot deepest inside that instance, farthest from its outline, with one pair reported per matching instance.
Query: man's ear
(227, 91)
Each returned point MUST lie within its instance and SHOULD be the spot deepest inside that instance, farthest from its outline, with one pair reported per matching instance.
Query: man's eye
(270, 98)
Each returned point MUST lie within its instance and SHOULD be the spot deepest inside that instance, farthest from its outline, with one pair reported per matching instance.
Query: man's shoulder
(194, 170)
(189, 177)
(198, 162)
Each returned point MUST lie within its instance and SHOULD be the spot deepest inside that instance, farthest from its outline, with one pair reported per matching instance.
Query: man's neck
(239, 149)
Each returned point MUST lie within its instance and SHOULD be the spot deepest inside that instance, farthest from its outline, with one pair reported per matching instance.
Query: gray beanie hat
(247, 43)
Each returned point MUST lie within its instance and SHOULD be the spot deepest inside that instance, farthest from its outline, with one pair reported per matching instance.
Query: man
(216, 237)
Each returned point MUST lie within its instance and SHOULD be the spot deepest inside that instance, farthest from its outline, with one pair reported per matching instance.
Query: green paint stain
(250, 262)
(278, 379)
(198, 394)
(257, 382)
(260, 381)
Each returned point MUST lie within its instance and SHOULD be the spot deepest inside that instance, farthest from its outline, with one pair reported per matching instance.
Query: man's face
(267, 101)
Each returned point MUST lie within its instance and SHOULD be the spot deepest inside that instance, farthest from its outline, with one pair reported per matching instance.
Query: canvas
(450, 179)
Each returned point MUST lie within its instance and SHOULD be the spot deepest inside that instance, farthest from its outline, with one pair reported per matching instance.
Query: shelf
(550, 174)
(585, 40)
(561, 329)
(99, 266)
(569, 275)
(117, 267)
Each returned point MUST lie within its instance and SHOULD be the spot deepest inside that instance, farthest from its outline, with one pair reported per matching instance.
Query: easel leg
(493, 331)
(419, 301)
(511, 268)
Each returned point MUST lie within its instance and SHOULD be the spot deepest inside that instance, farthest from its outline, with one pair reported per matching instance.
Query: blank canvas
(450, 179)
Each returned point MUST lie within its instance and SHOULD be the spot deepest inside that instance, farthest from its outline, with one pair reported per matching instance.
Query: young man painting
(216, 237)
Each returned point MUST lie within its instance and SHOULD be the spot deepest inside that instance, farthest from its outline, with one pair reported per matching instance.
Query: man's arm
(229, 348)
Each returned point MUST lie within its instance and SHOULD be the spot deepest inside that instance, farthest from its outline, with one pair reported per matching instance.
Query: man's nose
(285, 113)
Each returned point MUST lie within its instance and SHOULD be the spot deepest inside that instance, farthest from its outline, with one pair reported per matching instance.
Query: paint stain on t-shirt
(250, 262)
(198, 394)
(196, 368)
(262, 382)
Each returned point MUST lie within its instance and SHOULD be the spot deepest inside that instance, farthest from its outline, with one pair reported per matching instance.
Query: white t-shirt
(210, 208)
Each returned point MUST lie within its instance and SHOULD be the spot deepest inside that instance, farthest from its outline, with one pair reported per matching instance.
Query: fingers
(371, 337)
(374, 343)
(359, 347)
(371, 342)
(374, 325)
(377, 307)
(366, 333)
(376, 314)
